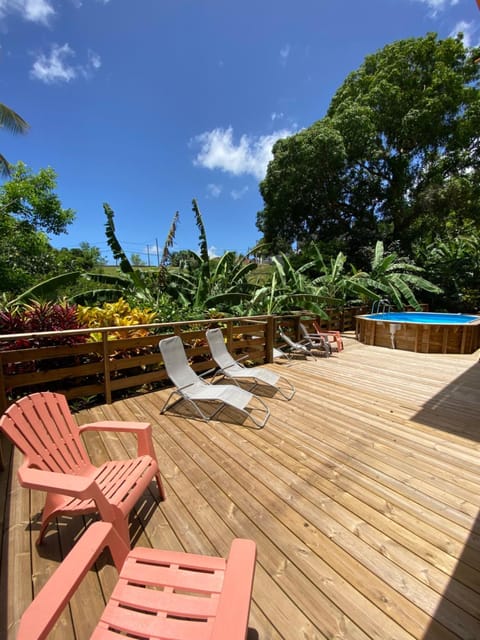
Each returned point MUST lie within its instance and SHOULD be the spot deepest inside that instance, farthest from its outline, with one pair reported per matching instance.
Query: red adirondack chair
(166, 595)
(333, 337)
(56, 461)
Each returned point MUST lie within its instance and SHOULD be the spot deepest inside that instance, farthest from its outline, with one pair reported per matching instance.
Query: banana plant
(289, 289)
(344, 288)
(203, 283)
(396, 278)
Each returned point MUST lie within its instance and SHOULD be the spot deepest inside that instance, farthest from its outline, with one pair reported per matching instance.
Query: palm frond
(4, 166)
(12, 121)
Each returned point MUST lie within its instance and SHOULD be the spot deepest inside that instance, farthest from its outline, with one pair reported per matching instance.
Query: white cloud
(438, 5)
(237, 194)
(94, 63)
(277, 116)
(79, 3)
(94, 60)
(32, 10)
(214, 190)
(55, 67)
(213, 252)
(284, 53)
(249, 157)
(468, 30)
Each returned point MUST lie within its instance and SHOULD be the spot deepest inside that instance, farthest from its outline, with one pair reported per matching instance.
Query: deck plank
(362, 494)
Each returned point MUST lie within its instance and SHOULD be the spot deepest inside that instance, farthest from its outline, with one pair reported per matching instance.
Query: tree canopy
(29, 209)
(395, 158)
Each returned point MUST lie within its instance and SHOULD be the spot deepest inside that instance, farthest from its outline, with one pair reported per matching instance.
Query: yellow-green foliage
(116, 314)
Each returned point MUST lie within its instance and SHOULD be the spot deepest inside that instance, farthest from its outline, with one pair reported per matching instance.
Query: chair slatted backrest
(42, 427)
(219, 349)
(176, 363)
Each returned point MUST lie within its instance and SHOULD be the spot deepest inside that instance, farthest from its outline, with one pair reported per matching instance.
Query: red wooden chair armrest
(82, 487)
(143, 431)
(41, 615)
(115, 425)
(70, 485)
(234, 602)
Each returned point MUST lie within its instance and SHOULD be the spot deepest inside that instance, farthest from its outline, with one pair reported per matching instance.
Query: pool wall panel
(424, 338)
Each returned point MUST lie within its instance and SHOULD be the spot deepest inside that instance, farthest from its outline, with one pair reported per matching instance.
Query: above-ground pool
(420, 331)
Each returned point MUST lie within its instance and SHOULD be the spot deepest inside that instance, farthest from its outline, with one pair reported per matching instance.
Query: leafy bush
(38, 317)
(116, 314)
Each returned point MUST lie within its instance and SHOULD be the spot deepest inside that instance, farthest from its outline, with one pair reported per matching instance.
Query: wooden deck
(362, 494)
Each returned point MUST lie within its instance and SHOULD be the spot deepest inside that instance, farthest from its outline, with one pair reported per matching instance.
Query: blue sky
(146, 104)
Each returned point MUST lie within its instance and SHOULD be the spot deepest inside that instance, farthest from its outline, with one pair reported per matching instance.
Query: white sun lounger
(231, 368)
(190, 387)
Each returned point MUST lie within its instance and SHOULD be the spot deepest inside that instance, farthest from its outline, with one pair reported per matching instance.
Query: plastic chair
(318, 341)
(190, 387)
(166, 595)
(334, 337)
(56, 461)
(231, 368)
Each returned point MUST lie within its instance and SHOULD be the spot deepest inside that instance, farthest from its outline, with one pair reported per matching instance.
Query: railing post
(106, 369)
(296, 327)
(269, 338)
(3, 393)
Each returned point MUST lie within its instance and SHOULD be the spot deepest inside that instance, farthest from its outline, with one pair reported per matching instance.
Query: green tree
(136, 260)
(396, 155)
(85, 257)
(31, 198)
(14, 123)
(29, 210)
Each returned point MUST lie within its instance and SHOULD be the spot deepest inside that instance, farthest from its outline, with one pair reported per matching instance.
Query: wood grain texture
(362, 494)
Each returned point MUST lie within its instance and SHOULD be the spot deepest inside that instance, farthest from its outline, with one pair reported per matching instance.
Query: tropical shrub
(39, 317)
(453, 263)
(116, 314)
(397, 278)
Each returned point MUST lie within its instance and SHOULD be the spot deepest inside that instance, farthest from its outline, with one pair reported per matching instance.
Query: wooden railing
(107, 366)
